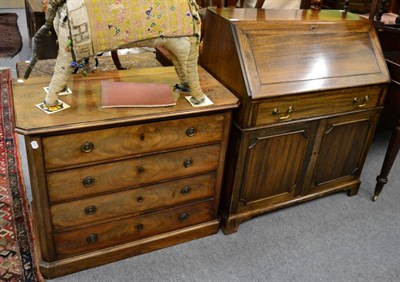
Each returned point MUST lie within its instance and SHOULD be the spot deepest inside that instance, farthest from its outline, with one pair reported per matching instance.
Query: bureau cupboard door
(275, 164)
(343, 148)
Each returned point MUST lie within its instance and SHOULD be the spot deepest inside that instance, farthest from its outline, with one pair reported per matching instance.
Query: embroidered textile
(102, 25)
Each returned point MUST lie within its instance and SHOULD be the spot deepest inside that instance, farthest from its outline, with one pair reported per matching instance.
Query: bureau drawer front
(79, 148)
(317, 104)
(132, 201)
(131, 229)
(72, 183)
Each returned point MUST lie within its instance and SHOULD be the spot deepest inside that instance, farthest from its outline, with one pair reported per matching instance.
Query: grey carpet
(335, 238)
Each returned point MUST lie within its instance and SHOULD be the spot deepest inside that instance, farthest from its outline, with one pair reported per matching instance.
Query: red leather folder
(131, 94)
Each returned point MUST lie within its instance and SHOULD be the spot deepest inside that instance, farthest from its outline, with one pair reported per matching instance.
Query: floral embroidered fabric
(110, 24)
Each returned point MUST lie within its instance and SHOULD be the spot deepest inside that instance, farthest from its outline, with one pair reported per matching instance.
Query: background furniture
(389, 36)
(111, 183)
(35, 18)
(311, 85)
(355, 6)
(105, 63)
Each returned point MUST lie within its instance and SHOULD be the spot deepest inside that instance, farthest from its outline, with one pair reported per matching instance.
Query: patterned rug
(11, 40)
(16, 248)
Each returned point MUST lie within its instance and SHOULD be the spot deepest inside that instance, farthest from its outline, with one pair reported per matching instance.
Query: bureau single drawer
(317, 104)
(86, 147)
(130, 229)
(90, 180)
(132, 201)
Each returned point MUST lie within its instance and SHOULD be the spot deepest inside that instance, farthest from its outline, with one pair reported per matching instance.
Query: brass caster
(374, 198)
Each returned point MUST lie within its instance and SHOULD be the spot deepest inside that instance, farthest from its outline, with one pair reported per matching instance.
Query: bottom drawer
(130, 229)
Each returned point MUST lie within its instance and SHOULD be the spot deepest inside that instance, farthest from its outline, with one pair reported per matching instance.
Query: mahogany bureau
(311, 85)
(111, 183)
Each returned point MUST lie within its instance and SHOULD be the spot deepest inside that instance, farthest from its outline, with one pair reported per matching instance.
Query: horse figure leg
(184, 55)
(62, 69)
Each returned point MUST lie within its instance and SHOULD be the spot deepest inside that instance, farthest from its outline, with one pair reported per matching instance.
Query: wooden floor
(8, 4)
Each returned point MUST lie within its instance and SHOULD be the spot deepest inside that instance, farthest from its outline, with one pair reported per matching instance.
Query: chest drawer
(317, 104)
(132, 201)
(86, 147)
(131, 229)
(75, 183)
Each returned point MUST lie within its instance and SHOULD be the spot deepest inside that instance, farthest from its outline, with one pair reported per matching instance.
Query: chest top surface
(86, 111)
(283, 52)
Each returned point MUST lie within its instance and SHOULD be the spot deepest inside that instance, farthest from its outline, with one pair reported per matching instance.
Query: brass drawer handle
(359, 103)
(183, 217)
(186, 190)
(139, 227)
(92, 238)
(188, 162)
(87, 147)
(90, 210)
(88, 181)
(191, 131)
(277, 112)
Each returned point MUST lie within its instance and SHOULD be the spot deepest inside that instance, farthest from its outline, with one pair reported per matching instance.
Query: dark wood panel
(219, 55)
(274, 164)
(343, 147)
(275, 65)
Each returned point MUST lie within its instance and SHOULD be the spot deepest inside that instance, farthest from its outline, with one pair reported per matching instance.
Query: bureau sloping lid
(311, 51)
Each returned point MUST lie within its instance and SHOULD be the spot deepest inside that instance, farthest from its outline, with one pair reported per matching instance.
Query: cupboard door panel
(344, 147)
(275, 162)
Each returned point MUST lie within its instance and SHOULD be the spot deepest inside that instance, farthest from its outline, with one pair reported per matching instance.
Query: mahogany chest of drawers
(111, 183)
(311, 85)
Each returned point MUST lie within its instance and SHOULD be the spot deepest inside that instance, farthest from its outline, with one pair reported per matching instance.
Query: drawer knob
(183, 217)
(92, 238)
(88, 181)
(140, 170)
(87, 147)
(139, 227)
(140, 199)
(188, 162)
(186, 190)
(191, 131)
(361, 103)
(277, 112)
(90, 210)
